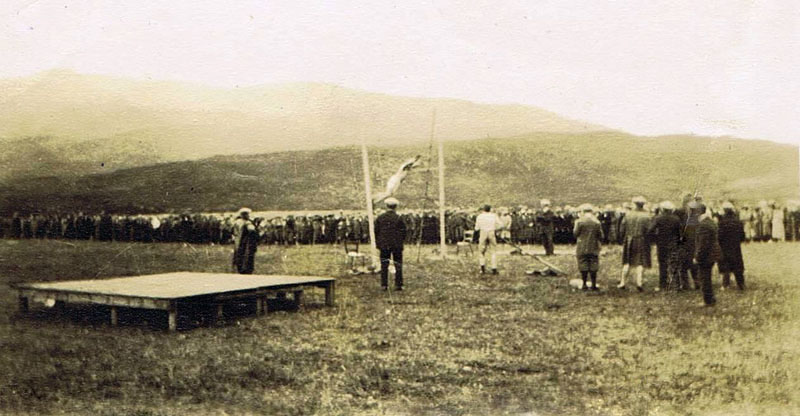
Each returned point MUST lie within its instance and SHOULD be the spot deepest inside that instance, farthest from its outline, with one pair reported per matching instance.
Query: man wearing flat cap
(546, 222)
(690, 217)
(636, 246)
(589, 233)
(666, 230)
(390, 233)
(707, 251)
(486, 224)
(245, 238)
(731, 235)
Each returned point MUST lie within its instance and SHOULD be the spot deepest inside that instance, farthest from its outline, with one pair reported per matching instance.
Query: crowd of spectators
(765, 221)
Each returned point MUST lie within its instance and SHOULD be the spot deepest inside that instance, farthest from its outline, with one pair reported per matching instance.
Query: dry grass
(453, 343)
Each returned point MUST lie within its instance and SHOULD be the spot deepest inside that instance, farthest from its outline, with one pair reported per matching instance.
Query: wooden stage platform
(170, 290)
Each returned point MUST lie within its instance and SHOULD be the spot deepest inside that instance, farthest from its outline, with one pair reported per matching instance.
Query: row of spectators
(762, 222)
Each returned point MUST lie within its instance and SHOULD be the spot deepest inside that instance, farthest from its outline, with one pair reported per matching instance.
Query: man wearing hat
(546, 221)
(707, 251)
(731, 235)
(486, 224)
(688, 215)
(390, 233)
(666, 229)
(589, 233)
(636, 247)
(245, 238)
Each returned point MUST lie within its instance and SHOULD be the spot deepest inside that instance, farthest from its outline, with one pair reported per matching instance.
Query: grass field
(453, 343)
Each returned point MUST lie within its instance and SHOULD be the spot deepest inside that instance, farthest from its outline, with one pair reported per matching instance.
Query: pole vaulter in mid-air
(394, 182)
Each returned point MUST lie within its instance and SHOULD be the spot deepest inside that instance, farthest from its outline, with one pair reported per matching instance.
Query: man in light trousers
(486, 224)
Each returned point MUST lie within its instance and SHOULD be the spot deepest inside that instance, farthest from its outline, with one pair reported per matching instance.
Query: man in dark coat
(245, 234)
(731, 235)
(707, 252)
(390, 233)
(546, 221)
(589, 234)
(666, 230)
(688, 215)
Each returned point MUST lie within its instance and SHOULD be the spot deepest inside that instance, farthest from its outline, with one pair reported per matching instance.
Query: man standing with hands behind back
(486, 224)
(245, 238)
(707, 251)
(390, 232)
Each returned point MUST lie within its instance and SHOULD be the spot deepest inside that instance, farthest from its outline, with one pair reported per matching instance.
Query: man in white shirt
(486, 224)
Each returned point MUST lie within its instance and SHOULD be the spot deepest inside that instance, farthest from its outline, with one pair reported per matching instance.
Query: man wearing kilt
(636, 247)
(589, 234)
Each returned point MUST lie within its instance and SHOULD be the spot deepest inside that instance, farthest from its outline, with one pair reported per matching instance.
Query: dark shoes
(494, 271)
(483, 269)
(639, 288)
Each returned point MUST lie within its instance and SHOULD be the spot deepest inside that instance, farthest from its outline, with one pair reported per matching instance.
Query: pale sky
(647, 67)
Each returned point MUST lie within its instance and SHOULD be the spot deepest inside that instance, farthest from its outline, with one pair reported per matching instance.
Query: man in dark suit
(731, 235)
(546, 221)
(390, 233)
(245, 235)
(689, 219)
(666, 229)
(707, 251)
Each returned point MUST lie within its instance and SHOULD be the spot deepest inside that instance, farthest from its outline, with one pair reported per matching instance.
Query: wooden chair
(355, 259)
(466, 242)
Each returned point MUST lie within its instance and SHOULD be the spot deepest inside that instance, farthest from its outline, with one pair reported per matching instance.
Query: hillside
(160, 121)
(568, 168)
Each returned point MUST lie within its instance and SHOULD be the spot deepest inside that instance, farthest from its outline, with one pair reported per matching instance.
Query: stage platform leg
(114, 316)
(60, 307)
(298, 297)
(220, 313)
(23, 304)
(261, 305)
(172, 319)
(330, 290)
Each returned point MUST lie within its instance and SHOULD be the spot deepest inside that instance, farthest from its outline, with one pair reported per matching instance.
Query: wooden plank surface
(175, 285)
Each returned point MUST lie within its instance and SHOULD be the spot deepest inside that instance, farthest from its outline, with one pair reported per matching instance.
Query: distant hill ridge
(598, 167)
(85, 122)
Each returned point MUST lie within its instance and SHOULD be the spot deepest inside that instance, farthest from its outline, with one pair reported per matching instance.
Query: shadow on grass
(191, 315)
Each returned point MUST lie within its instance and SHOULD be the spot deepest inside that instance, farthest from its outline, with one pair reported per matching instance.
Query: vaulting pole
(442, 245)
(370, 208)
